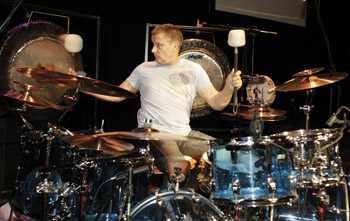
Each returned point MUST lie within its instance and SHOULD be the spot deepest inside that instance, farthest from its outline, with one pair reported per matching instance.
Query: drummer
(168, 86)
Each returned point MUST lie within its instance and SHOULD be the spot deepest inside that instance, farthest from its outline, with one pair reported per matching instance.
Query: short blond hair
(171, 31)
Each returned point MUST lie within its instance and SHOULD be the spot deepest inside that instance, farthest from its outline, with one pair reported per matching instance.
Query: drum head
(214, 62)
(261, 91)
(36, 44)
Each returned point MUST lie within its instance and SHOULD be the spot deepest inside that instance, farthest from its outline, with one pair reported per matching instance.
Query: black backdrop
(122, 40)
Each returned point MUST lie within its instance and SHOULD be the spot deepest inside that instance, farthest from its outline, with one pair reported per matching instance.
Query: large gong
(37, 44)
(214, 62)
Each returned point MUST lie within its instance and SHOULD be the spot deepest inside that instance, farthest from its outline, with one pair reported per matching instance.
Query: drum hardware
(175, 180)
(307, 110)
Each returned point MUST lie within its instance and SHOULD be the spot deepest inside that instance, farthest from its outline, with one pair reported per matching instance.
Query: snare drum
(253, 173)
(180, 205)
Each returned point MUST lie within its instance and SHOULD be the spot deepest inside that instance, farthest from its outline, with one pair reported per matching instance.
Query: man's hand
(234, 80)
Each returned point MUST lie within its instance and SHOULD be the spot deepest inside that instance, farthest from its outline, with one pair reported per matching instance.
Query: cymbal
(103, 90)
(248, 112)
(87, 85)
(108, 146)
(45, 76)
(308, 72)
(29, 100)
(312, 81)
(150, 135)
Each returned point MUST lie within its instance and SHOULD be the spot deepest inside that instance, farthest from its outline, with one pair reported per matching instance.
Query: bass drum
(213, 61)
(182, 205)
(38, 45)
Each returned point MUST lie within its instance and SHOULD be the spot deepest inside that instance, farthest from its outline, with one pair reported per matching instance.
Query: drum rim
(151, 200)
(258, 202)
(305, 133)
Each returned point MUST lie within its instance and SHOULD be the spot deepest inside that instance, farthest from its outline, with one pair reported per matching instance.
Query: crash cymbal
(103, 90)
(248, 112)
(87, 85)
(151, 135)
(308, 72)
(310, 82)
(45, 76)
(108, 146)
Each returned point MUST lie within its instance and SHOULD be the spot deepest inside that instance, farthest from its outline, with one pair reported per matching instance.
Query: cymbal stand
(26, 126)
(257, 125)
(47, 187)
(130, 193)
(84, 187)
(307, 108)
(73, 99)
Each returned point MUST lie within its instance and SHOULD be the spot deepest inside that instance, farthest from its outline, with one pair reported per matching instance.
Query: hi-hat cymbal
(108, 146)
(87, 85)
(248, 112)
(308, 72)
(312, 81)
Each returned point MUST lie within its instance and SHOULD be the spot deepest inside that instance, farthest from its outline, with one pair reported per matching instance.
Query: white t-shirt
(167, 93)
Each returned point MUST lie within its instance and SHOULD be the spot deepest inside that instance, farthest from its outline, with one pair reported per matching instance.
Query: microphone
(72, 42)
(236, 38)
(334, 119)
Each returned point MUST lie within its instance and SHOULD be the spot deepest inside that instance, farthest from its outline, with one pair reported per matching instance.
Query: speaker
(291, 11)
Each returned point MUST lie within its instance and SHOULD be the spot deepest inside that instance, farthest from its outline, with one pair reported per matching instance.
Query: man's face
(165, 51)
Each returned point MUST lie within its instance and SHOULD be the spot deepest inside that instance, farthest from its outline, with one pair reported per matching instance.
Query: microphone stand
(253, 34)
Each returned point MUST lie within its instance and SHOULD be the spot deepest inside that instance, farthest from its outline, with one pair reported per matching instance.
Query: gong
(213, 61)
(37, 44)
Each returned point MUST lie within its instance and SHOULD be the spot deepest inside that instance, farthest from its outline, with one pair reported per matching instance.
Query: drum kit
(64, 175)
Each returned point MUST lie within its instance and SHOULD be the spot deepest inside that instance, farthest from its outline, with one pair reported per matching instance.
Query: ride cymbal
(310, 82)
